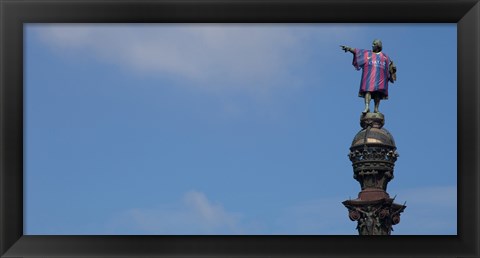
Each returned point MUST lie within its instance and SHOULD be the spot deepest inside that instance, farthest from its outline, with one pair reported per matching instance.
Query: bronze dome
(374, 136)
(372, 124)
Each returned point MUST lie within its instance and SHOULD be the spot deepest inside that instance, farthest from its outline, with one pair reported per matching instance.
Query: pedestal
(373, 155)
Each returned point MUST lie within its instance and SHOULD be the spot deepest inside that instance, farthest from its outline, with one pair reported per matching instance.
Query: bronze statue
(378, 70)
(370, 221)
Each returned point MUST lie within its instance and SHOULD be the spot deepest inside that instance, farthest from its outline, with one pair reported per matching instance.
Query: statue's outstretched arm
(347, 48)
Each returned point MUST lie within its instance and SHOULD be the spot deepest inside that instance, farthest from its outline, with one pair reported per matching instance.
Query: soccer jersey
(375, 72)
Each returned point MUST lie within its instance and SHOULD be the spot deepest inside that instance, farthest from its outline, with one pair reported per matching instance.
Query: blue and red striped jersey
(375, 74)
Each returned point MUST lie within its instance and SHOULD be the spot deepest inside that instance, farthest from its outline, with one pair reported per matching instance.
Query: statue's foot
(376, 111)
(366, 110)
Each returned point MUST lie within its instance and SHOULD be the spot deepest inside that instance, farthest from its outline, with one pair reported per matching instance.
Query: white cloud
(196, 215)
(216, 57)
(430, 211)
(209, 55)
(63, 36)
(199, 215)
(213, 215)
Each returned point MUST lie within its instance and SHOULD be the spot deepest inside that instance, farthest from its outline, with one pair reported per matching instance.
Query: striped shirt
(375, 72)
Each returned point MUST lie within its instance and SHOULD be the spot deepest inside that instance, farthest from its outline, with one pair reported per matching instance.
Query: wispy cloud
(210, 56)
(196, 215)
(430, 211)
(199, 215)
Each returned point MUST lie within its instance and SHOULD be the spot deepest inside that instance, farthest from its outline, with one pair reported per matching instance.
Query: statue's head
(377, 46)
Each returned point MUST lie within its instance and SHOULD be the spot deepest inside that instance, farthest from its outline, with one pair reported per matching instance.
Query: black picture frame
(14, 13)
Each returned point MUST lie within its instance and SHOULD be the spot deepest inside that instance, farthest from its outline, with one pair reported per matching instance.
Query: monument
(373, 152)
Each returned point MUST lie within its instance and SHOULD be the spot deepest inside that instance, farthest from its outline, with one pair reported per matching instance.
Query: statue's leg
(377, 102)
(368, 96)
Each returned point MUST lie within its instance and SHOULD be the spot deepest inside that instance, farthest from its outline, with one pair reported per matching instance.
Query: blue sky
(228, 128)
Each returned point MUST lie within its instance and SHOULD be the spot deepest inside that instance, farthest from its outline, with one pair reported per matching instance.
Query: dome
(373, 136)
(372, 124)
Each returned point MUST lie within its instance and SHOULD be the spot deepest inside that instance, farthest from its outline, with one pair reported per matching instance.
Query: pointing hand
(345, 48)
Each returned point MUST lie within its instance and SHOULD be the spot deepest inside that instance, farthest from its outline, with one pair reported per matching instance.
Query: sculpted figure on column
(377, 70)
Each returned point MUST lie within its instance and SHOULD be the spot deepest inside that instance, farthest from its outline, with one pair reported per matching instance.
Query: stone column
(373, 154)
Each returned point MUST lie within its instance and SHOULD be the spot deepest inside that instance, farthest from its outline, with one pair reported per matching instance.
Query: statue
(378, 70)
(369, 221)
